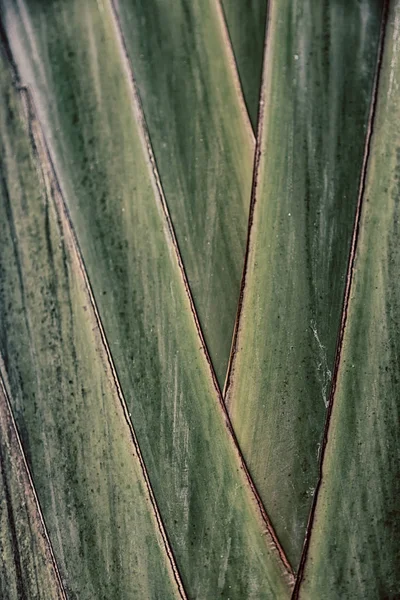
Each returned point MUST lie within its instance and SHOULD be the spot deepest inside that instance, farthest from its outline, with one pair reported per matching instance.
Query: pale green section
(88, 480)
(26, 570)
(203, 146)
(321, 60)
(355, 546)
(69, 55)
(246, 20)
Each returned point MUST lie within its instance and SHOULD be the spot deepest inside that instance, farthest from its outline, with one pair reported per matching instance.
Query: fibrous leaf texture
(185, 414)
(319, 70)
(72, 58)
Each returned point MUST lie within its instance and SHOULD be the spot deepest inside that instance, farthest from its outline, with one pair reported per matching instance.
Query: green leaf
(354, 549)
(27, 568)
(203, 146)
(72, 58)
(246, 21)
(85, 468)
(319, 70)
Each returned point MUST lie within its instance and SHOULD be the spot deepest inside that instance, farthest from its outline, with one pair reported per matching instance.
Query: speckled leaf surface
(26, 567)
(203, 145)
(84, 467)
(319, 72)
(355, 541)
(71, 57)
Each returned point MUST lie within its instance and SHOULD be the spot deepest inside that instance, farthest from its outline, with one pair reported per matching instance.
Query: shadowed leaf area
(246, 20)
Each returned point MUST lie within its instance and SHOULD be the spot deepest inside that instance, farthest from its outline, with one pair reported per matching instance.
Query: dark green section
(246, 20)
(355, 545)
(89, 483)
(203, 147)
(321, 61)
(69, 54)
(26, 571)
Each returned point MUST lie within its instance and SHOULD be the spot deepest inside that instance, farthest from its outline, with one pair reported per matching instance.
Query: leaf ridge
(346, 299)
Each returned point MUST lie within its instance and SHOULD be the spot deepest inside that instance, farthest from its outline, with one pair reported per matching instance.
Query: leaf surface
(71, 56)
(246, 20)
(319, 71)
(26, 566)
(203, 146)
(78, 445)
(354, 547)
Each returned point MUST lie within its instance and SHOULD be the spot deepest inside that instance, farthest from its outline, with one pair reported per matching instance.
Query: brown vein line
(253, 200)
(137, 105)
(43, 157)
(346, 300)
(4, 393)
(234, 66)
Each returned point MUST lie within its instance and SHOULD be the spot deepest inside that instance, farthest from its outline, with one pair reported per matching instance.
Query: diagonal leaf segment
(18, 448)
(223, 421)
(349, 280)
(233, 64)
(43, 155)
(136, 102)
(253, 200)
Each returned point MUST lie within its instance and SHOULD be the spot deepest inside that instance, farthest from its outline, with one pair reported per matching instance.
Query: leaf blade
(304, 204)
(27, 566)
(203, 147)
(362, 437)
(127, 247)
(61, 393)
(246, 25)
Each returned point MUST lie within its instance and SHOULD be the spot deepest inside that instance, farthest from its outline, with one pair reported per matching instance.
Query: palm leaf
(319, 70)
(105, 170)
(353, 545)
(84, 465)
(246, 20)
(203, 145)
(138, 142)
(27, 566)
